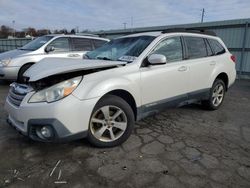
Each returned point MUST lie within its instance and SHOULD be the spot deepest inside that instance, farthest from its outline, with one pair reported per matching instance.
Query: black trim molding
(177, 101)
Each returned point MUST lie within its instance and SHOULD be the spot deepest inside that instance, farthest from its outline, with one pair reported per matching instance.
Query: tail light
(233, 58)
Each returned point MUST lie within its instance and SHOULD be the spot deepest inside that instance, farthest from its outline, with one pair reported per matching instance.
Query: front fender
(87, 90)
(20, 61)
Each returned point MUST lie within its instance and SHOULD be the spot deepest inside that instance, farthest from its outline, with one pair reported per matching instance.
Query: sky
(112, 14)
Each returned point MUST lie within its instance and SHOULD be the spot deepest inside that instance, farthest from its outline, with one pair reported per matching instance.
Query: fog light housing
(45, 132)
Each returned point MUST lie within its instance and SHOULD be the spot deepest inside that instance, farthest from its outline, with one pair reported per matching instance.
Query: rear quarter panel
(224, 64)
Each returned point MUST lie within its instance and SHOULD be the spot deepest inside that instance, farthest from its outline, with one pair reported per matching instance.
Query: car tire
(20, 78)
(111, 122)
(216, 95)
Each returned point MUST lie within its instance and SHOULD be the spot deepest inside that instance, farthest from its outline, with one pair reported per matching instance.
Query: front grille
(17, 93)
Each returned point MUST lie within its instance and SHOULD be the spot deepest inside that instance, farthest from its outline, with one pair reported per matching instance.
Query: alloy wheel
(108, 123)
(218, 94)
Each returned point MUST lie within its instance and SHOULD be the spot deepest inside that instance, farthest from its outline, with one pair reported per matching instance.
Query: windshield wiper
(104, 58)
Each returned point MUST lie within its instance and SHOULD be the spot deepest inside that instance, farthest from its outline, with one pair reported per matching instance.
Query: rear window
(98, 43)
(217, 47)
(81, 44)
(196, 47)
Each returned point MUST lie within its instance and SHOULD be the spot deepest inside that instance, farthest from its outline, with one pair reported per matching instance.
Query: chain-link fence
(11, 44)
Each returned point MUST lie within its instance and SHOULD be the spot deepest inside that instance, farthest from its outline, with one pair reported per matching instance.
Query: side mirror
(157, 59)
(49, 49)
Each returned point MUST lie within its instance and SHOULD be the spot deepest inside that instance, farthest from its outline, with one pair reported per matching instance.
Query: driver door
(167, 84)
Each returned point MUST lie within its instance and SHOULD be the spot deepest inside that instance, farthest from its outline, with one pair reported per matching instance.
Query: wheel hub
(109, 123)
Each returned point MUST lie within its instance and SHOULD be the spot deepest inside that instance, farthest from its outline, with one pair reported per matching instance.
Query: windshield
(122, 49)
(37, 43)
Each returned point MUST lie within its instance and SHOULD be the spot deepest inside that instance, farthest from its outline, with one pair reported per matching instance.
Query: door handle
(212, 63)
(73, 55)
(182, 68)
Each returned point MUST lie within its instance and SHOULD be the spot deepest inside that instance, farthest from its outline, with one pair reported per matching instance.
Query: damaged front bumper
(59, 133)
(68, 119)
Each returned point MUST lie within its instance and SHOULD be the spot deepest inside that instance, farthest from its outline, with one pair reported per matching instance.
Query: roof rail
(189, 30)
(87, 34)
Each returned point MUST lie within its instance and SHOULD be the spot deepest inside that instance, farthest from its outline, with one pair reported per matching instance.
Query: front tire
(111, 122)
(216, 96)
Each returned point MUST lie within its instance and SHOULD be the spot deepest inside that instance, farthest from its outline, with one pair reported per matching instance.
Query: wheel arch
(125, 95)
(224, 77)
(25, 64)
(21, 71)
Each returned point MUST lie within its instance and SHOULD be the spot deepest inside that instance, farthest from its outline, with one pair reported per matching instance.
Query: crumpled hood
(12, 54)
(52, 66)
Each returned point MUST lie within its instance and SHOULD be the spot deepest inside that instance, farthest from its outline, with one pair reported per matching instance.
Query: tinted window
(196, 47)
(171, 48)
(81, 44)
(216, 46)
(99, 43)
(60, 44)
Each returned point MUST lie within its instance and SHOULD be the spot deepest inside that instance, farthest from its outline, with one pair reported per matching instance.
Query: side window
(81, 44)
(98, 43)
(217, 47)
(209, 50)
(171, 48)
(60, 44)
(196, 47)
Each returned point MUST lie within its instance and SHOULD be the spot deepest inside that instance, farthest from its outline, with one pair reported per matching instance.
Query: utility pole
(125, 24)
(202, 15)
(13, 22)
(132, 21)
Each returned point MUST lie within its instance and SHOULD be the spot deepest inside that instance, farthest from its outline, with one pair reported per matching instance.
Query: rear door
(201, 63)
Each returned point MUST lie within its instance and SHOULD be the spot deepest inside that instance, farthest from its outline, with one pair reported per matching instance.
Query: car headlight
(56, 92)
(5, 62)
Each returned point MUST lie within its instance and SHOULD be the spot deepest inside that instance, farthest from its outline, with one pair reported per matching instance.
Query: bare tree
(30, 31)
(42, 32)
(5, 31)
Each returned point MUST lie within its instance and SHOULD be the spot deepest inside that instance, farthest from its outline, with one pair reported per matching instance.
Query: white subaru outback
(100, 97)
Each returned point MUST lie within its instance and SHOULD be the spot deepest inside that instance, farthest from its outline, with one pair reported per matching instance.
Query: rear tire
(111, 122)
(216, 95)
(20, 78)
